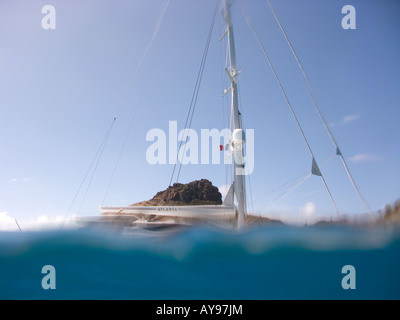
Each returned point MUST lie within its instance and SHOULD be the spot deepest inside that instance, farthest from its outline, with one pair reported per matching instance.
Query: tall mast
(238, 136)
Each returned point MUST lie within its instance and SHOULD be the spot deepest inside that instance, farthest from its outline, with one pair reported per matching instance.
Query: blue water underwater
(271, 262)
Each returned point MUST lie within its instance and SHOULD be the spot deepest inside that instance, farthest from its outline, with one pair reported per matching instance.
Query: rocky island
(195, 193)
(199, 192)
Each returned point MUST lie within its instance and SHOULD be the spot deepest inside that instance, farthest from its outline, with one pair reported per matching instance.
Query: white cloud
(23, 180)
(299, 215)
(346, 120)
(350, 118)
(364, 157)
(45, 222)
(7, 223)
(308, 210)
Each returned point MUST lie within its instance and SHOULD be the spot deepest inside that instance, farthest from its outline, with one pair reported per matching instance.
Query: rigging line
(154, 36)
(329, 159)
(194, 98)
(222, 82)
(282, 185)
(129, 128)
(309, 87)
(103, 143)
(292, 188)
(289, 104)
(97, 163)
(291, 180)
(146, 50)
(201, 76)
(317, 108)
(18, 225)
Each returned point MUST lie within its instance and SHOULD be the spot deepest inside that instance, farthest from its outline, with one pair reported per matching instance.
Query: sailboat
(230, 213)
(226, 214)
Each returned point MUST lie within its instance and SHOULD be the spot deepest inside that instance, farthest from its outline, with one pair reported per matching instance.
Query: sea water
(272, 262)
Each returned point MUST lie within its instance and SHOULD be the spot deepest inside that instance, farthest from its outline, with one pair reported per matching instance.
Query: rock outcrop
(391, 214)
(199, 192)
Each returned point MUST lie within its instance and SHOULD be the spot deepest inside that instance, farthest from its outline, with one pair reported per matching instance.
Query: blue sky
(60, 90)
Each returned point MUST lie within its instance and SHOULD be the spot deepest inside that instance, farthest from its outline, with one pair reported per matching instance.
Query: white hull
(210, 212)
